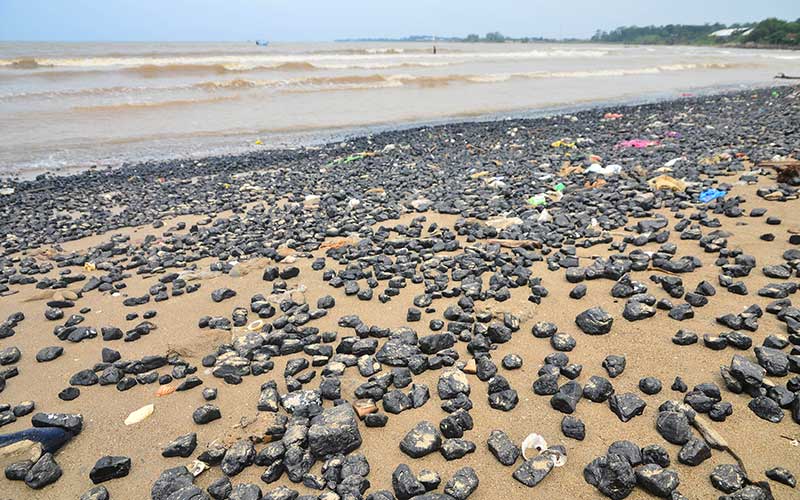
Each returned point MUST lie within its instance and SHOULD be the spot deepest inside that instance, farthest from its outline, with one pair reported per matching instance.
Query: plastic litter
(197, 467)
(6, 191)
(711, 194)
(563, 143)
(666, 182)
(50, 438)
(140, 414)
(637, 143)
(560, 187)
(607, 170)
(536, 200)
(567, 169)
(612, 116)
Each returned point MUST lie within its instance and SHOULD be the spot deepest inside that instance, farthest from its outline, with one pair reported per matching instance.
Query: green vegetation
(497, 37)
(772, 31)
(672, 34)
(775, 32)
(494, 37)
(767, 33)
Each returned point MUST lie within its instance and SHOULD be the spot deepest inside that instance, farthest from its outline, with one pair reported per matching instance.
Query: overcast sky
(318, 20)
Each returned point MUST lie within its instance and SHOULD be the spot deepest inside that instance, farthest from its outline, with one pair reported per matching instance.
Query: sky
(321, 20)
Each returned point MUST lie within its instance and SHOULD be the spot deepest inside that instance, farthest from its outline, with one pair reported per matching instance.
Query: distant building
(728, 32)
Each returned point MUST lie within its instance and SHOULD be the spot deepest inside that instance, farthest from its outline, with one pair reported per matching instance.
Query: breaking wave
(369, 81)
(342, 59)
(380, 80)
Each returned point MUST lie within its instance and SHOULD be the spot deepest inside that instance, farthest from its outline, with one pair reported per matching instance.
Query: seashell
(559, 459)
(534, 441)
(165, 390)
(139, 415)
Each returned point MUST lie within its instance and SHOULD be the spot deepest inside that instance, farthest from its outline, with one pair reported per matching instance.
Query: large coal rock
(334, 431)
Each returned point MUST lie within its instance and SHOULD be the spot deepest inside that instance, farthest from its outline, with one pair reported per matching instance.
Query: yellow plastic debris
(89, 266)
(666, 182)
(562, 143)
(258, 142)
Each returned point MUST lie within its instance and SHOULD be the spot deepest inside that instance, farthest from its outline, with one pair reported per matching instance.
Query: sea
(66, 106)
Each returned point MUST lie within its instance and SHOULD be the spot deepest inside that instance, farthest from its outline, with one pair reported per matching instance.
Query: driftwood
(715, 440)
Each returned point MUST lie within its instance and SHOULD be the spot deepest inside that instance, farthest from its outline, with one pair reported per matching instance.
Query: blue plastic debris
(711, 194)
(51, 438)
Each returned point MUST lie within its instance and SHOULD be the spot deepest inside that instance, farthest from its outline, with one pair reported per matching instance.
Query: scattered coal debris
(523, 213)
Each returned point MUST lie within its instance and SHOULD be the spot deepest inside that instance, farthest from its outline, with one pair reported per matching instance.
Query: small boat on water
(262, 43)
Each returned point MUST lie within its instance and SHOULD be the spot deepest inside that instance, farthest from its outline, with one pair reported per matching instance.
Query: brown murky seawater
(80, 104)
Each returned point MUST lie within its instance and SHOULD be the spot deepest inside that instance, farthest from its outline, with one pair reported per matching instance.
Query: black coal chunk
(612, 475)
(422, 440)
(503, 449)
(532, 472)
(333, 431)
(110, 467)
(594, 321)
(44, 472)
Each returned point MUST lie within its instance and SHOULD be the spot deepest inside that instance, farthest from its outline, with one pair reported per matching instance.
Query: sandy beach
(425, 213)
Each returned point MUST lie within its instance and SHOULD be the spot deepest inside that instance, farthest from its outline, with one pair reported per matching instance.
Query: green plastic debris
(560, 186)
(349, 159)
(537, 200)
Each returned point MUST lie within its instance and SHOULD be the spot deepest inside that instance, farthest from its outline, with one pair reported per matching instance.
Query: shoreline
(324, 138)
(422, 274)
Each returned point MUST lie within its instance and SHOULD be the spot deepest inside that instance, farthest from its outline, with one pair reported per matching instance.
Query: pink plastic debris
(637, 143)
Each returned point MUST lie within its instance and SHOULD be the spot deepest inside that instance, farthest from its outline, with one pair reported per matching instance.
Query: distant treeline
(768, 32)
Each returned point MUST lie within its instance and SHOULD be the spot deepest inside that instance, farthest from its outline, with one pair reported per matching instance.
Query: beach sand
(646, 345)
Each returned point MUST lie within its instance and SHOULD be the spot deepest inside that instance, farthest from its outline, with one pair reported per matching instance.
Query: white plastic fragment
(596, 168)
